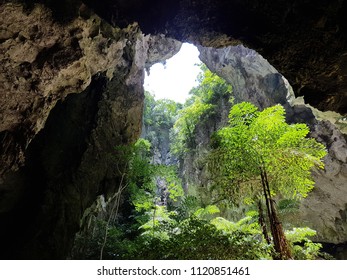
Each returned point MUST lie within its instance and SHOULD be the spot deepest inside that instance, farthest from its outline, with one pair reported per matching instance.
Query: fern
(207, 212)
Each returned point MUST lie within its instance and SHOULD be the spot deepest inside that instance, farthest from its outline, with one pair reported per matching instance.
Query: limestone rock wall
(69, 93)
(252, 77)
(42, 62)
(325, 209)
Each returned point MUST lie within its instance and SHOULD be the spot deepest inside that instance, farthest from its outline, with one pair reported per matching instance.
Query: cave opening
(176, 76)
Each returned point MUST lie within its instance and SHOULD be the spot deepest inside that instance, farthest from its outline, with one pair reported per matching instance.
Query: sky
(177, 77)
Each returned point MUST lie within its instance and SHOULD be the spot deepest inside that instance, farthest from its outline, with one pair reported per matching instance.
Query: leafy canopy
(202, 101)
(185, 126)
(162, 112)
(202, 235)
(256, 140)
(211, 87)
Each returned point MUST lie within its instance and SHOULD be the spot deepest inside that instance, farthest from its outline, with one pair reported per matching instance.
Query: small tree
(201, 102)
(258, 156)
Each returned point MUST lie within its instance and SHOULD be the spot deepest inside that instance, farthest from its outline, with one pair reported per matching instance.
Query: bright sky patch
(177, 77)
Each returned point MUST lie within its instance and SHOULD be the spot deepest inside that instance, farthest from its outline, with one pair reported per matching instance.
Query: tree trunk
(279, 239)
(263, 223)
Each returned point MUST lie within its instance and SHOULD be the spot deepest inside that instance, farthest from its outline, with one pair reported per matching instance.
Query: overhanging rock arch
(305, 41)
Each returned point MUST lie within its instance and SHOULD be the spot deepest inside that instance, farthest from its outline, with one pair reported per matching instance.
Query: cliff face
(325, 208)
(253, 78)
(71, 90)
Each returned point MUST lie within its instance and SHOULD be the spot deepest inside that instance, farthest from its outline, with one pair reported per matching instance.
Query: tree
(259, 156)
(202, 101)
(211, 87)
(183, 130)
(160, 113)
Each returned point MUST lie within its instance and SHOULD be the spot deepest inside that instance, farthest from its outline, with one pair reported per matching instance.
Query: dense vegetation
(257, 161)
(199, 106)
(259, 156)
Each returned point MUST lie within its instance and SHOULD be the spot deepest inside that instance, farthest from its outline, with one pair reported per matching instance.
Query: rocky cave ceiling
(304, 40)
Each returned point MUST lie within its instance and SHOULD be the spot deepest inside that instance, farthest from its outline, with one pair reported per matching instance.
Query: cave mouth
(175, 77)
(149, 22)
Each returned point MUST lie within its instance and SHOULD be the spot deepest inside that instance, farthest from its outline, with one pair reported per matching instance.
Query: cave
(71, 87)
